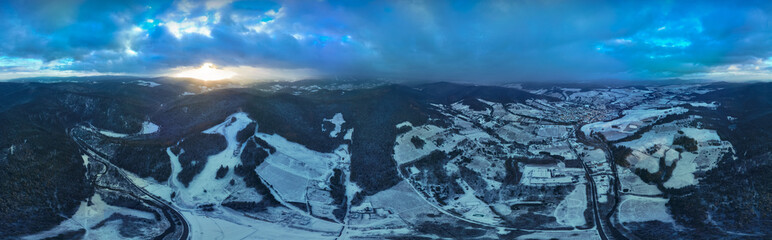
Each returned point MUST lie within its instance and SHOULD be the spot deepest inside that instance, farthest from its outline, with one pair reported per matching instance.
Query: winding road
(174, 217)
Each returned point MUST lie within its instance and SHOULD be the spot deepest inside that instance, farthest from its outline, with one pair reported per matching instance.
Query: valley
(325, 160)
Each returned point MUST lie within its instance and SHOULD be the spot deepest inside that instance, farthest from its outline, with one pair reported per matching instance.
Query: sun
(207, 72)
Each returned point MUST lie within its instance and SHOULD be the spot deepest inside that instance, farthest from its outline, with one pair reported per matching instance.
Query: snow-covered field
(205, 188)
(683, 174)
(660, 139)
(629, 123)
(570, 211)
(290, 172)
(410, 206)
(89, 215)
(293, 169)
(405, 151)
(633, 183)
(226, 224)
(289, 186)
(590, 234)
(296, 157)
(472, 207)
(147, 128)
(642, 209)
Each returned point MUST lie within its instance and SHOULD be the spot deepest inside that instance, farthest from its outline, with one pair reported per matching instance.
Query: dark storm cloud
(452, 40)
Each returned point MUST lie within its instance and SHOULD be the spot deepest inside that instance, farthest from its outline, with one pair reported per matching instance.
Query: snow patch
(570, 211)
(113, 134)
(85, 160)
(338, 121)
(349, 134)
(711, 105)
(148, 128)
(148, 83)
(404, 124)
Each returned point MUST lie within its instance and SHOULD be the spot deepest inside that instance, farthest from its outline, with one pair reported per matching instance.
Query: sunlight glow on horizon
(207, 72)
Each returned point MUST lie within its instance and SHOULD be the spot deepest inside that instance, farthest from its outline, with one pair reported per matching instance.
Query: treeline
(194, 152)
(688, 144)
(41, 179)
(253, 155)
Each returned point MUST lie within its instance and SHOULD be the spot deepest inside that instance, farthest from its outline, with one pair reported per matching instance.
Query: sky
(470, 41)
